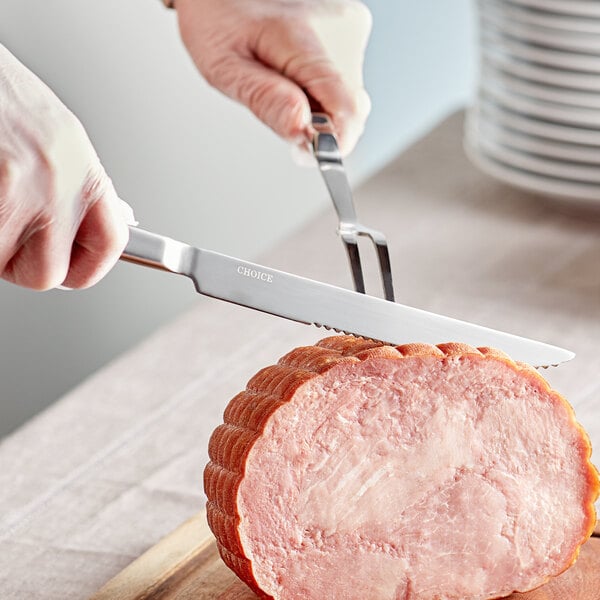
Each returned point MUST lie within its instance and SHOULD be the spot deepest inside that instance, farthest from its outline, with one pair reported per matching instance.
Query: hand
(268, 54)
(61, 221)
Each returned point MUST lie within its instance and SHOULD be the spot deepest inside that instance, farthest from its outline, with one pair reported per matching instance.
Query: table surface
(103, 474)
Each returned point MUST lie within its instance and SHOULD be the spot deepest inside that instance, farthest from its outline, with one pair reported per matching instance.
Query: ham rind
(354, 470)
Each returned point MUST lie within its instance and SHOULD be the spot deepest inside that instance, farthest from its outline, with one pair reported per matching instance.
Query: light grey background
(194, 165)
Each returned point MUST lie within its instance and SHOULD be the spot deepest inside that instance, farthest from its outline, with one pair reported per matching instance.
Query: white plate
(569, 41)
(539, 165)
(539, 91)
(527, 16)
(580, 8)
(541, 109)
(562, 133)
(553, 76)
(483, 128)
(545, 56)
(559, 188)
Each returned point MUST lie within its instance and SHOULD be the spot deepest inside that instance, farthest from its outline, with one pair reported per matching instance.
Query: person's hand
(61, 221)
(269, 54)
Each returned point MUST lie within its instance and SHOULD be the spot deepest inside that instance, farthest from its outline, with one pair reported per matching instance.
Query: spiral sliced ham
(353, 470)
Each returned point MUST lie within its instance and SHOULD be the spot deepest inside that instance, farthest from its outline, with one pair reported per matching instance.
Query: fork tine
(383, 255)
(351, 245)
(330, 163)
(386, 270)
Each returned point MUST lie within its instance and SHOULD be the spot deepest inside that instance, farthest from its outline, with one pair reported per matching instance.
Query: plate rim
(553, 20)
(532, 182)
(548, 130)
(540, 91)
(531, 162)
(561, 40)
(583, 117)
(564, 60)
(538, 145)
(536, 72)
(581, 8)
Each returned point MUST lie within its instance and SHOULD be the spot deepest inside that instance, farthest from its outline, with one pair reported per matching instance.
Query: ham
(354, 470)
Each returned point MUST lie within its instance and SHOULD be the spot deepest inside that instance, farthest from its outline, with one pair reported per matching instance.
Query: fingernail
(63, 288)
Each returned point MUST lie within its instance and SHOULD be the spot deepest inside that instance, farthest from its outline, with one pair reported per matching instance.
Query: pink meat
(352, 470)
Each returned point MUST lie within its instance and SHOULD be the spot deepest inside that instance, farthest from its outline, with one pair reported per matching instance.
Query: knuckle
(210, 70)
(38, 224)
(9, 172)
(43, 257)
(225, 73)
(113, 242)
(48, 281)
(9, 176)
(52, 275)
(48, 273)
(81, 280)
(254, 94)
(290, 113)
(95, 186)
(268, 99)
(40, 276)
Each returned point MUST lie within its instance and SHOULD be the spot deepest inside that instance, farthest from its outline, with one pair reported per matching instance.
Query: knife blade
(321, 304)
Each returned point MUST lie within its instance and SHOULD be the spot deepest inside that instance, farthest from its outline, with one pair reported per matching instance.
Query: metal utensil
(312, 302)
(329, 158)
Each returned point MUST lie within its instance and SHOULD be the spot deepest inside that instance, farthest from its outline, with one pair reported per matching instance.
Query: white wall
(194, 165)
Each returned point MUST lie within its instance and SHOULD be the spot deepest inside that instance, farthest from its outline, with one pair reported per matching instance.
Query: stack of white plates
(536, 120)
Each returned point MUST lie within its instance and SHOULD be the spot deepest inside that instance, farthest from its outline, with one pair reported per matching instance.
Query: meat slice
(353, 470)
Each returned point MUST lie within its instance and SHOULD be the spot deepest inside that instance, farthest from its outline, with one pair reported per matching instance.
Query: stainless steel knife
(312, 302)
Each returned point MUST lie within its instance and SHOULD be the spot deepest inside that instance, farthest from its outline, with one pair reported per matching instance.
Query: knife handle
(157, 251)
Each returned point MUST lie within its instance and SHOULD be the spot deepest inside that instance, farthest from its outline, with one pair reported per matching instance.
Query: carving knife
(312, 302)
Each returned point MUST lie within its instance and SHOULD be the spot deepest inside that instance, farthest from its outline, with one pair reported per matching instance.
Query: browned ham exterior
(353, 470)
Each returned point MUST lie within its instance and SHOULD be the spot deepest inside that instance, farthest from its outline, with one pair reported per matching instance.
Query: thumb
(102, 233)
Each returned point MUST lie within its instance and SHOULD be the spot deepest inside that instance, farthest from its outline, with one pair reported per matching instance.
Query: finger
(348, 110)
(126, 213)
(273, 98)
(98, 244)
(327, 62)
(12, 222)
(41, 261)
(34, 247)
(352, 125)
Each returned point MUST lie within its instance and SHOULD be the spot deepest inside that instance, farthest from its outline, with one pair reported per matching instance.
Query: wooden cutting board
(186, 565)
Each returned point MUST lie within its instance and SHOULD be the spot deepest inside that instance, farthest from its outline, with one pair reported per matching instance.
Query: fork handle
(329, 159)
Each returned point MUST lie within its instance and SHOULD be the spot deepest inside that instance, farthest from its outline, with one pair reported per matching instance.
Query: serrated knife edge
(312, 302)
